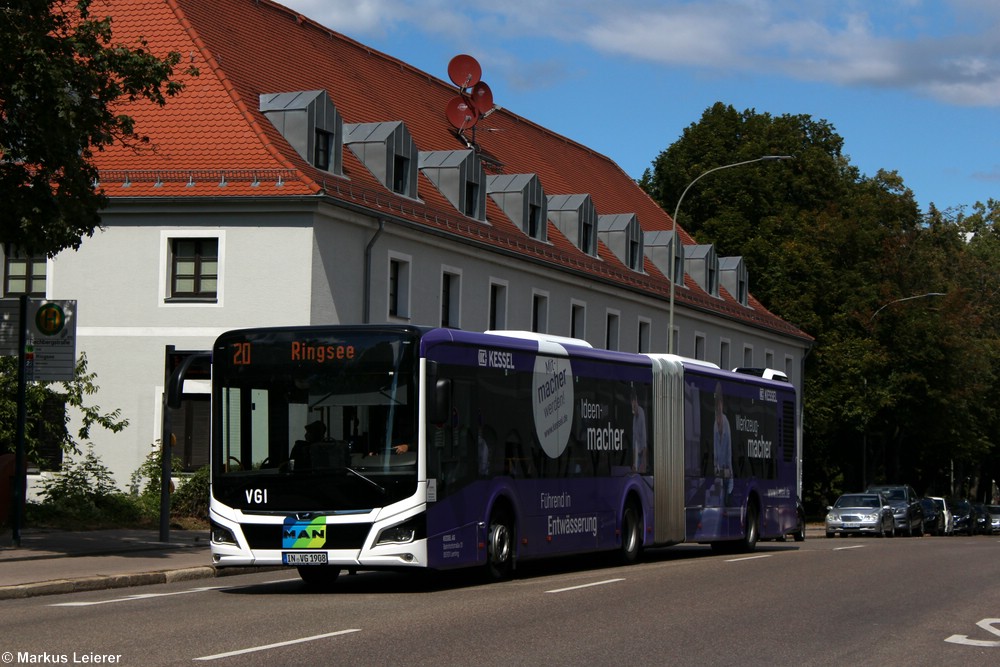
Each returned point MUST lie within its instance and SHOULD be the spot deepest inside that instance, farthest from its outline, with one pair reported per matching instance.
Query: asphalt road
(853, 601)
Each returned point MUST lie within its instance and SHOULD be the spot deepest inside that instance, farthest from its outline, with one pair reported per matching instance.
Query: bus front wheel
(500, 545)
(319, 577)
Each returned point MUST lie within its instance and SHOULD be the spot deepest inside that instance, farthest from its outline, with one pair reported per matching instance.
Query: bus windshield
(320, 420)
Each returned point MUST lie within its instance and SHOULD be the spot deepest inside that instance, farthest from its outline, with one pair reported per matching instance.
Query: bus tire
(319, 577)
(500, 545)
(631, 547)
(752, 532)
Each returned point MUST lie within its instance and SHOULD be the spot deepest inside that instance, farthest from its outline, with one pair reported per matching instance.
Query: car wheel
(829, 534)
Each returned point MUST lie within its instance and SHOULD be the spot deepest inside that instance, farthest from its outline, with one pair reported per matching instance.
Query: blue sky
(911, 85)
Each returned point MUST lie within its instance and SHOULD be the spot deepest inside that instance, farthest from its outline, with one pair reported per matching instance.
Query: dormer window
(658, 246)
(521, 198)
(324, 141)
(388, 151)
(733, 275)
(576, 218)
(400, 174)
(471, 199)
(310, 123)
(702, 264)
(460, 177)
(623, 236)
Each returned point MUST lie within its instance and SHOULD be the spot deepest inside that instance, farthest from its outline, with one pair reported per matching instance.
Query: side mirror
(438, 396)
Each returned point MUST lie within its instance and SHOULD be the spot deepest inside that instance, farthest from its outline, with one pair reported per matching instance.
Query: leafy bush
(84, 496)
(191, 499)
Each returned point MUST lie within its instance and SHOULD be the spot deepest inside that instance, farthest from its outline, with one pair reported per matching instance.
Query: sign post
(43, 336)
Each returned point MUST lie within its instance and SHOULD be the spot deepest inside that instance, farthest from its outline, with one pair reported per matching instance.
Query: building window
(323, 150)
(611, 336)
(535, 221)
(471, 199)
(399, 288)
(401, 174)
(498, 306)
(724, 355)
(450, 298)
(540, 313)
(768, 359)
(699, 347)
(586, 237)
(194, 272)
(748, 357)
(578, 321)
(643, 343)
(23, 273)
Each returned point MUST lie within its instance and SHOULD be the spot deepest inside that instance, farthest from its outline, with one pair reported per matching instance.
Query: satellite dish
(482, 97)
(464, 71)
(460, 113)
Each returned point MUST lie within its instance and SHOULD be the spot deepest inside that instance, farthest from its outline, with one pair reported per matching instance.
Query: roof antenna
(474, 101)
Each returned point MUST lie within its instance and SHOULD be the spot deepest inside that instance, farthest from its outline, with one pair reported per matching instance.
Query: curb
(105, 582)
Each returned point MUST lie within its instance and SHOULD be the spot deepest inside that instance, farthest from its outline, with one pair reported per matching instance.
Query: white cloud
(946, 51)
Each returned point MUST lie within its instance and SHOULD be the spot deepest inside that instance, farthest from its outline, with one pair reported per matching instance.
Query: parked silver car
(860, 514)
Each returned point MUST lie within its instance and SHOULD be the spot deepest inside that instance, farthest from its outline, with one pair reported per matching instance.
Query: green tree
(50, 406)
(827, 247)
(63, 85)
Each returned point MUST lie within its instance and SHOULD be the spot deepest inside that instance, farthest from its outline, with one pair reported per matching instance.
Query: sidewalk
(55, 561)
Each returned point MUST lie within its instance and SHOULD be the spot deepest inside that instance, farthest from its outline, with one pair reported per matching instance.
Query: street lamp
(905, 298)
(675, 239)
(864, 435)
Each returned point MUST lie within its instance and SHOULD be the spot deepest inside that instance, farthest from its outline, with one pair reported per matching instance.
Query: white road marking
(267, 647)
(742, 558)
(143, 596)
(986, 624)
(574, 588)
(853, 546)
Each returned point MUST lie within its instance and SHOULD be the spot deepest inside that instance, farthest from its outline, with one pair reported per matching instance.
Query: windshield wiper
(367, 479)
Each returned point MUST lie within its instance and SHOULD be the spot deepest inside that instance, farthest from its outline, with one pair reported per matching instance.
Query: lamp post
(905, 298)
(675, 239)
(864, 435)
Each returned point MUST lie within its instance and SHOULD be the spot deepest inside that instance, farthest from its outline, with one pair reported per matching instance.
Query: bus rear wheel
(631, 534)
(319, 577)
(752, 532)
(500, 545)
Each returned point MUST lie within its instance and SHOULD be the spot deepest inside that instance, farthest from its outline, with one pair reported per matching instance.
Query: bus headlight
(402, 533)
(222, 535)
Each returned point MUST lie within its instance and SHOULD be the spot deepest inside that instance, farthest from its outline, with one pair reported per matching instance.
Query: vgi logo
(50, 319)
(297, 534)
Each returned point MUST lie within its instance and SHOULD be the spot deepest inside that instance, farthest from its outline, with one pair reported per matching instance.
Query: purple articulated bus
(396, 447)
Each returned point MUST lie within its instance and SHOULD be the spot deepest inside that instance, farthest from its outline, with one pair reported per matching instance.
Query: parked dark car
(906, 510)
(982, 526)
(934, 523)
(965, 517)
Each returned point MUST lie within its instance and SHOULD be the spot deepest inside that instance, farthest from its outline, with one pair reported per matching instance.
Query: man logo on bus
(303, 535)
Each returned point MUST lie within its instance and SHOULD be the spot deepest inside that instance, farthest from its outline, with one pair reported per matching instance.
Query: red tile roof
(212, 140)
